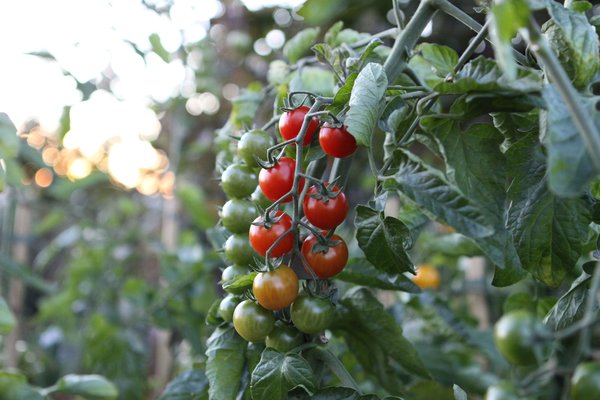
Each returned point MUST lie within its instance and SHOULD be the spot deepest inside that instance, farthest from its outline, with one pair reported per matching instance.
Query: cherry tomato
(252, 322)
(238, 181)
(231, 272)
(276, 289)
(284, 338)
(259, 199)
(237, 215)
(254, 143)
(311, 314)
(325, 213)
(327, 262)
(262, 237)
(585, 383)
(336, 142)
(238, 250)
(515, 335)
(291, 122)
(427, 277)
(278, 180)
(227, 306)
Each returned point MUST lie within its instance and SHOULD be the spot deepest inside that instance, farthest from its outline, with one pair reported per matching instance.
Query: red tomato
(336, 142)
(262, 237)
(325, 213)
(276, 289)
(291, 122)
(325, 263)
(278, 180)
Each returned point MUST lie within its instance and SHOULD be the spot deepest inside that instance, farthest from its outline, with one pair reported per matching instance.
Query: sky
(85, 37)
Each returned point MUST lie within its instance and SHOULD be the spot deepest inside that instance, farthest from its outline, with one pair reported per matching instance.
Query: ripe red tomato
(325, 213)
(278, 180)
(325, 263)
(262, 237)
(290, 124)
(336, 142)
(276, 289)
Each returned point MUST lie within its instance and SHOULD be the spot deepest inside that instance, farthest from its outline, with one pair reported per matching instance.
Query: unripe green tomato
(252, 322)
(259, 198)
(284, 338)
(585, 383)
(311, 314)
(238, 250)
(227, 306)
(237, 215)
(515, 337)
(254, 143)
(238, 181)
(231, 272)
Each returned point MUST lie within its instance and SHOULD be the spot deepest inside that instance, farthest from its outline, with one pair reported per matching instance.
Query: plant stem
(582, 120)
(590, 306)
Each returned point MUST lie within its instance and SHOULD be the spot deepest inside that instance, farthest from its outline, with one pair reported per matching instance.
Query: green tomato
(238, 181)
(585, 383)
(237, 215)
(515, 337)
(254, 144)
(502, 391)
(252, 322)
(238, 250)
(259, 198)
(231, 272)
(311, 314)
(284, 338)
(227, 306)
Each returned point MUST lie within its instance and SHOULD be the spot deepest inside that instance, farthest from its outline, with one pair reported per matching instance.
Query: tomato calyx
(325, 191)
(269, 218)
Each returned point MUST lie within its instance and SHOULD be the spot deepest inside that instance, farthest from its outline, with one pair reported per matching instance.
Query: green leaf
(313, 79)
(575, 42)
(158, 48)
(14, 386)
(508, 16)
(7, 319)
(484, 75)
(371, 333)
(276, 374)
(89, 386)
(427, 188)
(453, 244)
(9, 141)
(384, 240)
(549, 232)
(570, 165)
(519, 301)
(240, 282)
(19, 271)
(342, 96)
(225, 363)
(580, 6)
(318, 12)
(300, 44)
(571, 306)
(433, 62)
(366, 102)
(189, 385)
(362, 273)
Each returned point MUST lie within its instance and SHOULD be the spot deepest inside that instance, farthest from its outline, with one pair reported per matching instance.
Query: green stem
(473, 44)
(557, 75)
(590, 311)
(336, 367)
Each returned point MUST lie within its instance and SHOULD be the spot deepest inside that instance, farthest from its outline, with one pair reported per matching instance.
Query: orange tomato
(427, 277)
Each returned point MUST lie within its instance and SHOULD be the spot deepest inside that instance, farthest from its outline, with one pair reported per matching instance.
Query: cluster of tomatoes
(276, 311)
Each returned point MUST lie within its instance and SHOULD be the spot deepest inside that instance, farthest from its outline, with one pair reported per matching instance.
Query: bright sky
(86, 37)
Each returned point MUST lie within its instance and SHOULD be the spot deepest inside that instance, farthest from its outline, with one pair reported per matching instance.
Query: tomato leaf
(571, 306)
(225, 362)
(9, 141)
(433, 62)
(189, 385)
(14, 386)
(366, 102)
(342, 96)
(374, 336)
(339, 393)
(359, 272)
(93, 386)
(239, 282)
(548, 231)
(575, 42)
(570, 165)
(384, 240)
(278, 373)
(300, 44)
(7, 319)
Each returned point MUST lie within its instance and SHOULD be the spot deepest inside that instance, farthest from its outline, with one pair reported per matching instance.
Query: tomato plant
(277, 181)
(326, 261)
(336, 141)
(276, 289)
(312, 314)
(252, 322)
(325, 210)
(291, 122)
(264, 234)
(284, 338)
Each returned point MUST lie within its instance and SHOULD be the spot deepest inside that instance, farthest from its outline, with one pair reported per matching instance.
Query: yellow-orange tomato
(427, 277)
(276, 289)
